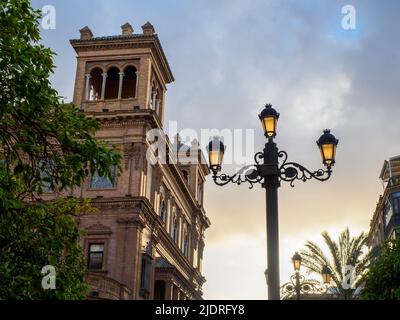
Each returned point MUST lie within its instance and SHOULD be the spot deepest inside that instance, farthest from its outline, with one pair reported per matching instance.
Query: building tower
(385, 223)
(146, 241)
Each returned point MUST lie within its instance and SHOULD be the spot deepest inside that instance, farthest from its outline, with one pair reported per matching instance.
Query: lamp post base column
(273, 244)
(271, 185)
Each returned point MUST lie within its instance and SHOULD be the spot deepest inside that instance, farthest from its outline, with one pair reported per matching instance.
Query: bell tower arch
(122, 73)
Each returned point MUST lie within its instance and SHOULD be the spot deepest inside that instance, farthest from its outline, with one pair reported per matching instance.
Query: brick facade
(148, 234)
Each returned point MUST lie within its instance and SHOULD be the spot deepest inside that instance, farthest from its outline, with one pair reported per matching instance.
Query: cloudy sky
(231, 57)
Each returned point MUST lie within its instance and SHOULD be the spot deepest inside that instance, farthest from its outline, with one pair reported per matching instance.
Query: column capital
(121, 73)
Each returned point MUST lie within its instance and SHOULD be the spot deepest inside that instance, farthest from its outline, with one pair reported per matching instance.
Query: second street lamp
(296, 259)
(326, 275)
(270, 168)
(298, 284)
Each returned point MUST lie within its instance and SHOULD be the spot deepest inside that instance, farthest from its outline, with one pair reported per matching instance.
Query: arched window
(103, 182)
(175, 230)
(96, 80)
(163, 211)
(112, 83)
(129, 83)
(154, 99)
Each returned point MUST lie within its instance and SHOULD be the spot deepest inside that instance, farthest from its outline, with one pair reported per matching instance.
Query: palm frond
(314, 259)
(335, 252)
(348, 251)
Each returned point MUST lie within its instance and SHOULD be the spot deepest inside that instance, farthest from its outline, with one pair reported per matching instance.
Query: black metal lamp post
(298, 284)
(269, 173)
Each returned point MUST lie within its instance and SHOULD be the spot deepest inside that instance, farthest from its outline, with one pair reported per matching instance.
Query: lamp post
(296, 259)
(298, 284)
(269, 172)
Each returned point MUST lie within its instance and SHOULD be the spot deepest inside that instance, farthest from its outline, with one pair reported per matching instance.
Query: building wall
(140, 252)
(385, 222)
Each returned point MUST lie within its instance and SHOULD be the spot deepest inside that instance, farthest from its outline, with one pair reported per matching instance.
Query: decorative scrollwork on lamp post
(270, 168)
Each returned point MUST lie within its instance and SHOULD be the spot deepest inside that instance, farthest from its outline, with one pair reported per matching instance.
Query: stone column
(87, 86)
(103, 86)
(200, 255)
(121, 80)
(168, 290)
(175, 292)
(137, 84)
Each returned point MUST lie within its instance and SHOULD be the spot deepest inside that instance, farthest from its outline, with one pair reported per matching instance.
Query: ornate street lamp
(296, 259)
(326, 275)
(269, 119)
(216, 150)
(270, 168)
(327, 144)
(298, 283)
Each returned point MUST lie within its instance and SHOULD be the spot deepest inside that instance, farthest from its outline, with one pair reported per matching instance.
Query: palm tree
(345, 254)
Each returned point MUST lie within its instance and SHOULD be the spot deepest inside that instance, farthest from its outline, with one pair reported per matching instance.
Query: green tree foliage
(383, 279)
(44, 143)
(348, 251)
(39, 235)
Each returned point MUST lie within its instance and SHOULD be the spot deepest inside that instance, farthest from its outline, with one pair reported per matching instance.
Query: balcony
(110, 105)
(392, 224)
(393, 181)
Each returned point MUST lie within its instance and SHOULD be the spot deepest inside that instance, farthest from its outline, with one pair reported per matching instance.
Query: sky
(229, 58)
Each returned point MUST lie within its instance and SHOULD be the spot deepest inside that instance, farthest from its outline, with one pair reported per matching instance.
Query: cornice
(120, 118)
(126, 41)
(97, 229)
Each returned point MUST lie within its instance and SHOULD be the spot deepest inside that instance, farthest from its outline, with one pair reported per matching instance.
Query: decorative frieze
(98, 229)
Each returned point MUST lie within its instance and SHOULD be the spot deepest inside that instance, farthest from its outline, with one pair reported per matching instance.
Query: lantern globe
(326, 275)
(296, 259)
(216, 150)
(327, 144)
(269, 120)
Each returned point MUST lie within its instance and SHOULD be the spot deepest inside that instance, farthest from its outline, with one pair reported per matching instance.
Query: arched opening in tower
(96, 79)
(129, 83)
(112, 83)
